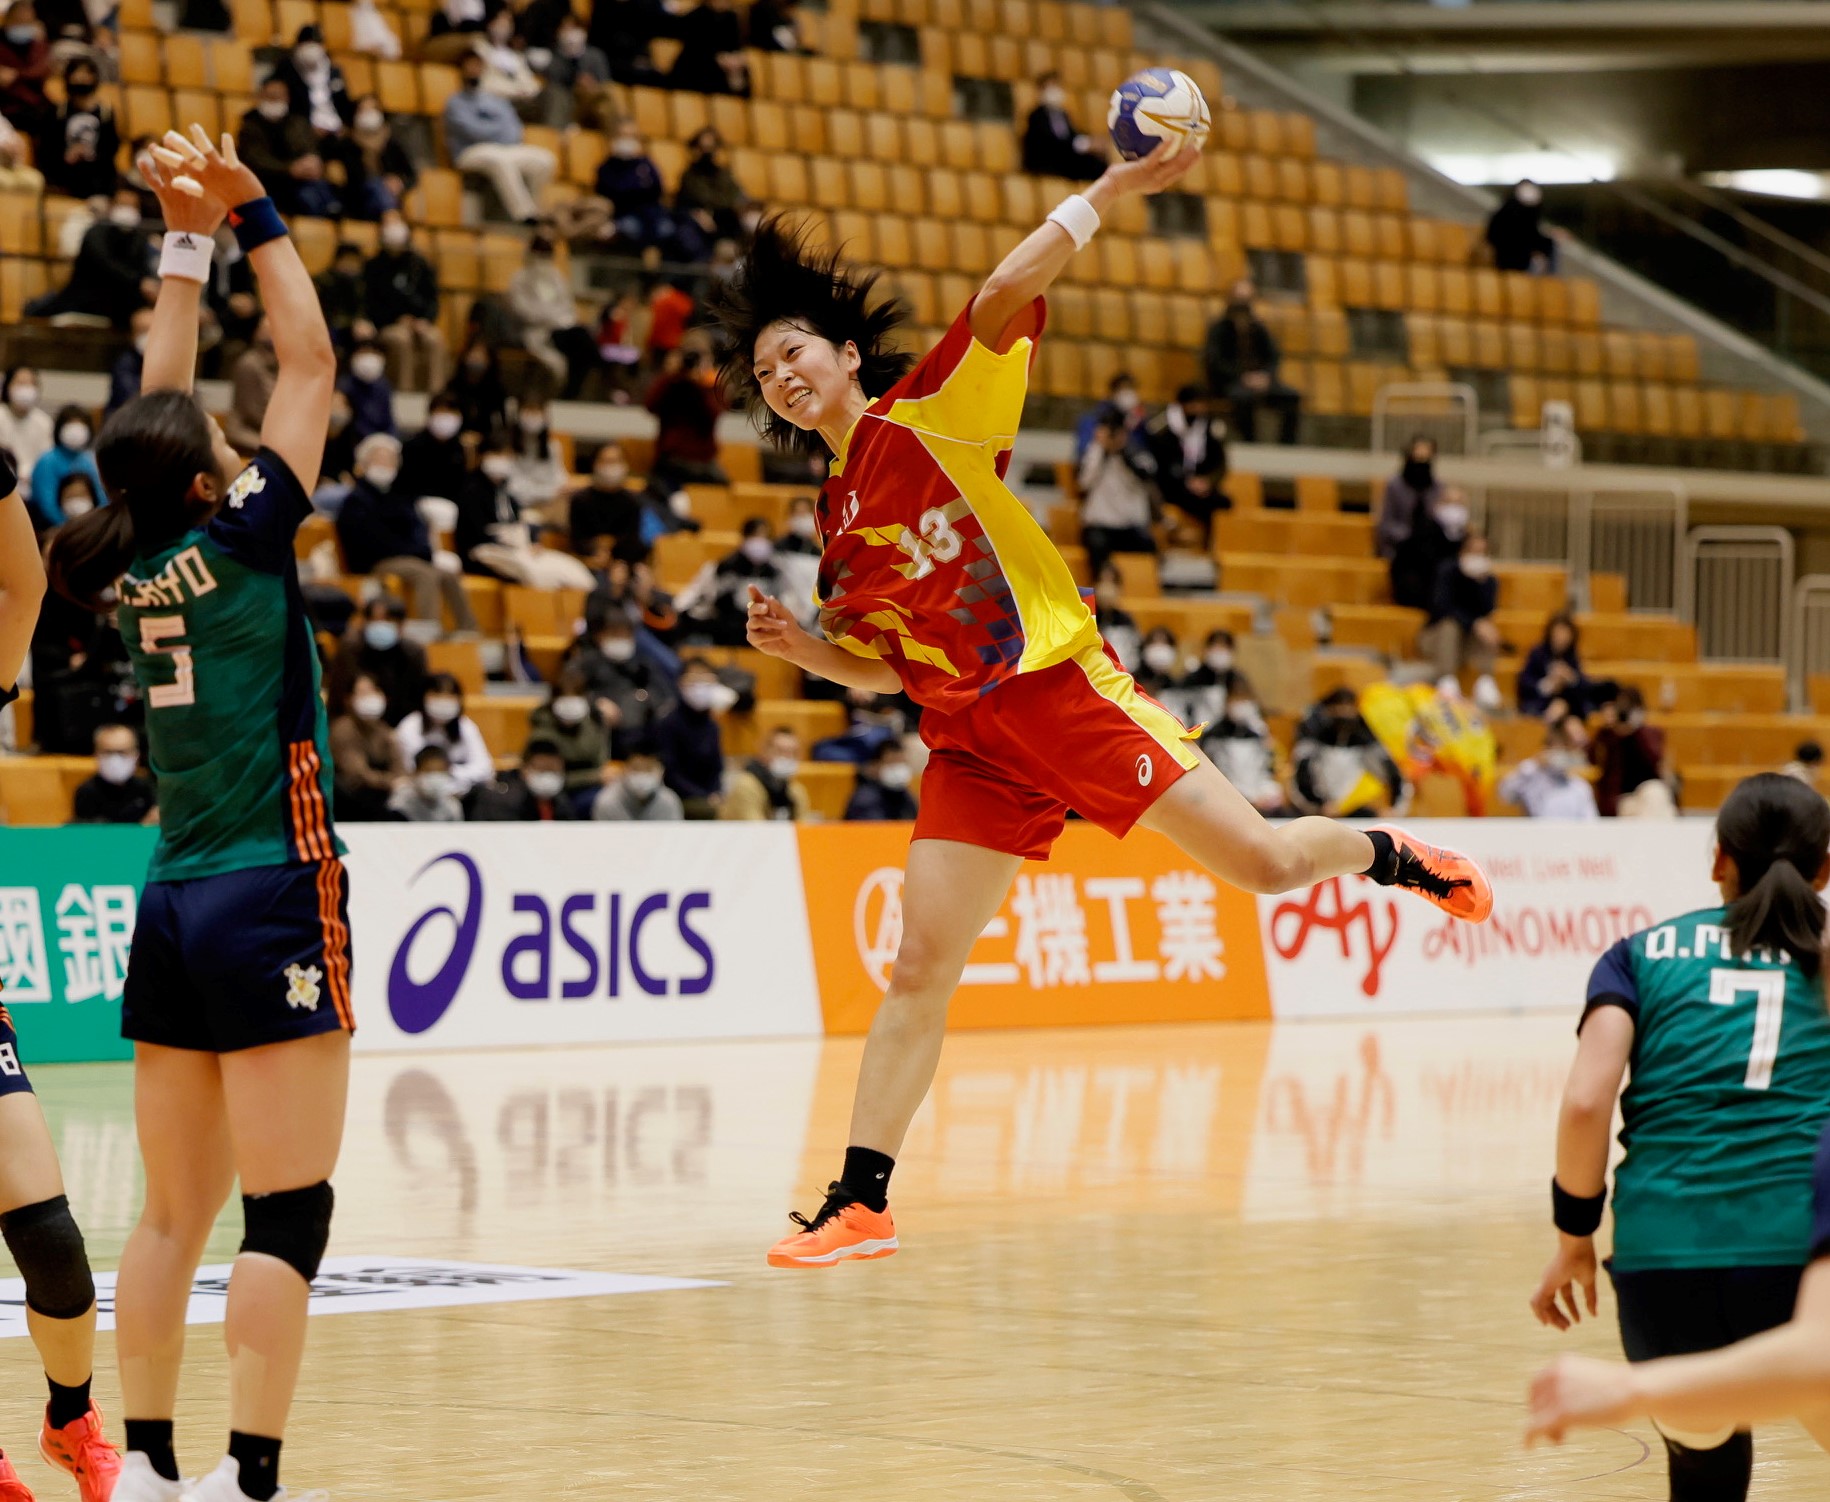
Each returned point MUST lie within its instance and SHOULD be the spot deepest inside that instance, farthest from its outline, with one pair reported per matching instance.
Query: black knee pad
(292, 1225)
(48, 1247)
(1718, 1475)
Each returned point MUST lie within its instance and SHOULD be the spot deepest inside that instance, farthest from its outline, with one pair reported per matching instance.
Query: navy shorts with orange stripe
(1080, 735)
(222, 963)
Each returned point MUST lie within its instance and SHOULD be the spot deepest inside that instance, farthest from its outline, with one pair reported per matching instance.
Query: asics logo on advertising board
(416, 1005)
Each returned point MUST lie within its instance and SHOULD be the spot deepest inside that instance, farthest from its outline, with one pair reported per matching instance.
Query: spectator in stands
(711, 59)
(801, 534)
(487, 517)
(401, 296)
(1551, 784)
(629, 690)
(1121, 403)
(429, 796)
(478, 389)
(534, 794)
(1461, 631)
(540, 296)
(623, 31)
(371, 398)
(768, 786)
(1635, 778)
(1242, 360)
(1117, 495)
(230, 297)
(1552, 683)
(375, 648)
(1239, 743)
(1206, 689)
(77, 495)
(609, 510)
(119, 792)
(377, 172)
(250, 390)
(539, 474)
(440, 721)
(506, 71)
(881, 792)
(25, 64)
(364, 754)
(630, 589)
(775, 26)
(340, 295)
(641, 794)
(115, 270)
(316, 89)
(709, 193)
(1160, 661)
(1339, 769)
(690, 744)
(1408, 534)
(484, 134)
(336, 473)
(432, 461)
(717, 603)
(1115, 623)
(26, 430)
(630, 182)
(204, 15)
(1189, 445)
(686, 403)
(461, 17)
(1053, 145)
(1806, 765)
(381, 532)
(370, 33)
(283, 150)
(124, 374)
(1516, 234)
(70, 454)
(79, 140)
(576, 726)
(576, 90)
(17, 175)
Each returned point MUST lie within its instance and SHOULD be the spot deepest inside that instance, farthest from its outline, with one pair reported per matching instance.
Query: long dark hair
(149, 454)
(1777, 832)
(782, 278)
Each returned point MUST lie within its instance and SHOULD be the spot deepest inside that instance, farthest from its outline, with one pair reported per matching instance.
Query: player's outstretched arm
(773, 630)
(171, 343)
(1029, 270)
(22, 580)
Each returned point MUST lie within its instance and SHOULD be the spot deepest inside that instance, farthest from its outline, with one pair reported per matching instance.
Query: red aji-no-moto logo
(1355, 924)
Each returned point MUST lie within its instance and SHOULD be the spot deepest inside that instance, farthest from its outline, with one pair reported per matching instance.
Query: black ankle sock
(153, 1439)
(1384, 867)
(68, 1404)
(259, 1459)
(867, 1175)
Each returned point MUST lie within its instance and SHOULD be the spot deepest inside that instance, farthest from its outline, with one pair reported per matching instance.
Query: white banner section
(491, 935)
(1562, 894)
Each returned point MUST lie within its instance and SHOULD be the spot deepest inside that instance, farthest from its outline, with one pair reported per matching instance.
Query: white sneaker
(224, 1485)
(1487, 694)
(139, 1482)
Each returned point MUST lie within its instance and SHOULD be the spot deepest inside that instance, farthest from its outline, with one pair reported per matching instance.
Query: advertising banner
(1562, 894)
(68, 898)
(501, 934)
(1104, 932)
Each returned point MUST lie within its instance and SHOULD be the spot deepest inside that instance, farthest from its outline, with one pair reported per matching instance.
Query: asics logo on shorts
(1146, 769)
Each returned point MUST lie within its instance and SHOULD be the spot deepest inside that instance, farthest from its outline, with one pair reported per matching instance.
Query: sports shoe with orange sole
(1446, 878)
(12, 1489)
(843, 1231)
(81, 1449)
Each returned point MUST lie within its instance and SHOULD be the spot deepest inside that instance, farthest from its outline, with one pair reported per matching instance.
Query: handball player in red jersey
(936, 580)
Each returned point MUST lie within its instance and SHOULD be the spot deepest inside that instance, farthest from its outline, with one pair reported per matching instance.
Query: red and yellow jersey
(930, 562)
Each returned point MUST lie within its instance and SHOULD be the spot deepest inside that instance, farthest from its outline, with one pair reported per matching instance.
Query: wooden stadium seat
(141, 59)
(958, 146)
(1619, 356)
(289, 16)
(184, 61)
(20, 223)
(922, 141)
(788, 180)
(1584, 303)
(1783, 422)
(1752, 423)
(316, 240)
(1681, 362)
(1390, 237)
(359, 74)
(198, 107)
(1489, 294)
(1112, 315)
(1556, 352)
(1587, 349)
(231, 70)
(253, 20)
(145, 110)
(1686, 412)
(440, 197)
(397, 87)
(1591, 406)
(1526, 398)
(1655, 406)
(1522, 351)
(1457, 286)
(828, 183)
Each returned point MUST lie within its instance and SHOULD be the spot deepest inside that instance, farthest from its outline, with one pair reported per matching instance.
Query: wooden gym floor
(1147, 1265)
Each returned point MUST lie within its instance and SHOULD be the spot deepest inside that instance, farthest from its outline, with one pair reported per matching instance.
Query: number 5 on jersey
(157, 635)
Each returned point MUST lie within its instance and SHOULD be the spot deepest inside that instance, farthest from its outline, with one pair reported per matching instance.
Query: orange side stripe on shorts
(301, 826)
(335, 957)
(338, 876)
(314, 798)
(314, 845)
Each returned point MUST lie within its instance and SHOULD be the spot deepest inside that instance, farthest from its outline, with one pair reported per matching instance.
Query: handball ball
(1155, 105)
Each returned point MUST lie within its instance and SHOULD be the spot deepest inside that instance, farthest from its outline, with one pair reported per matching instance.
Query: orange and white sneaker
(1446, 878)
(845, 1230)
(12, 1489)
(81, 1449)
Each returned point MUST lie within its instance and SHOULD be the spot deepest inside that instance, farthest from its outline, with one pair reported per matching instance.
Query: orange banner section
(1104, 932)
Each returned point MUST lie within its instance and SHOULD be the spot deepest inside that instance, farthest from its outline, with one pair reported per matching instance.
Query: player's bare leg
(949, 893)
(1210, 819)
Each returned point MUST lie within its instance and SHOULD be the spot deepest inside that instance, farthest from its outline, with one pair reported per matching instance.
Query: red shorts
(1079, 735)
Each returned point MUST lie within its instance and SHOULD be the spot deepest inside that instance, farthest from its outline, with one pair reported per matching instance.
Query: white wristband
(1078, 217)
(186, 256)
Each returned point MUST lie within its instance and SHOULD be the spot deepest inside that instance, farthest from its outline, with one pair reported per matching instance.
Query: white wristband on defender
(186, 256)
(1079, 218)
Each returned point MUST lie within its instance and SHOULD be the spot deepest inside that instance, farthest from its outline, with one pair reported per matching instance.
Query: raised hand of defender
(1571, 1268)
(1163, 168)
(183, 205)
(217, 171)
(771, 628)
(1577, 1392)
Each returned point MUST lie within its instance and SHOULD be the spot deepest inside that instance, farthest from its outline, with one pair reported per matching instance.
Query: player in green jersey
(237, 991)
(1721, 1017)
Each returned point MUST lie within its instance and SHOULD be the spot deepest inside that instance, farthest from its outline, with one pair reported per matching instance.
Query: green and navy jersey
(1730, 1089)
(224, 654)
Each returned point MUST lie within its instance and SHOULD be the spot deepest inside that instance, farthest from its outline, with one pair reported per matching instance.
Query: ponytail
(1777, 832)
(89, 554)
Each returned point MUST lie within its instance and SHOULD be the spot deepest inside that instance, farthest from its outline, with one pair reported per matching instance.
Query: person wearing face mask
(26, 429)
(1634, 775)
(881, 793)
(251, 383)
(490, 536)
(1159, 661)
(775, 26)
(375, 648)
(641, 794)
(1053, 145)
(535, 794)
(485, 135)
(114, 269)
(540, 296)
(604, 519)
(429, 795)
(506, 71)
(1338, 767)
(1551, 785)
(401, 296)
(629, 689)
(371, 398)
(690, 742)
(1242, 359)
(577, 80)
(432, 461)
(461, 18)
(478, 389)
(1122, 405)
(575, 725)
(70, 454)
(686, 404)
(1516, 235)
(1118, 498)
(709, 193)
(79, 141)
(286, 152)
(25, 64)
(628, 179)
(1552, 683)
(339, 288)
(1239, 743)
(382, 534)
(315, 85)
(371, 34)
(1188, 443)
(711, 59)
(119, 792)
(768, 786)
(364, 754)
(1116, 624)
(801, 538)
(1202, 694)
(1461, 629)
(538, 474)
(377, 171)
(718, 599)
(440, 721)
(77, 496)
(124, 374)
